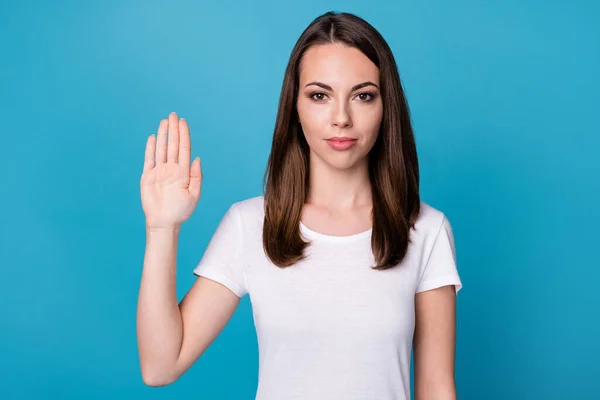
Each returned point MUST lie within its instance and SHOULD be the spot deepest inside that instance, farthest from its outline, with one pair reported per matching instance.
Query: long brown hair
(393, 165)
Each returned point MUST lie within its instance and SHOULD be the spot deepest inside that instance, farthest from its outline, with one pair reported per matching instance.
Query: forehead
(337, 64)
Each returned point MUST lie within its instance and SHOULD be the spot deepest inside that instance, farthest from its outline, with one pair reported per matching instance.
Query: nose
(340, 116)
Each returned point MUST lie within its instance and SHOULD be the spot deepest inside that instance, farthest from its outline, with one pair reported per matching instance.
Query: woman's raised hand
(170, 187)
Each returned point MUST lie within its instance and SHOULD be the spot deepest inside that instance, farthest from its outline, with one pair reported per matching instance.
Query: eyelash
(360, 94)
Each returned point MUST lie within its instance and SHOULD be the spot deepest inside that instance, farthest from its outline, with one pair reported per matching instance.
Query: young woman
(346, 268)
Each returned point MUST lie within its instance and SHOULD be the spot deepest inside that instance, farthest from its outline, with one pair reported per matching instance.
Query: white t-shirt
(329, 327)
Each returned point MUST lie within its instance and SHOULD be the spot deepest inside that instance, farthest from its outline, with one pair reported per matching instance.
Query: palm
(170, 188)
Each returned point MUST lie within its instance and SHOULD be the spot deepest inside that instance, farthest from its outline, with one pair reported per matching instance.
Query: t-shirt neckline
(309, 233)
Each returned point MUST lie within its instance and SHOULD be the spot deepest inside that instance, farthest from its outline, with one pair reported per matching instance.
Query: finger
(184, 143)
(161, 142)
(149, 155)
(195, 178)
(173, 140)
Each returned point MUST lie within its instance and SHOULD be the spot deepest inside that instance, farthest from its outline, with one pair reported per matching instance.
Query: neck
(339, 189)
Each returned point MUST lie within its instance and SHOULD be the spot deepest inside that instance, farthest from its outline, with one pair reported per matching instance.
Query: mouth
(341, 139)
(341, 143)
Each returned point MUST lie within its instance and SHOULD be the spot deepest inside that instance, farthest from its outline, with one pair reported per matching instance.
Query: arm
(434, 344)
(171, 336)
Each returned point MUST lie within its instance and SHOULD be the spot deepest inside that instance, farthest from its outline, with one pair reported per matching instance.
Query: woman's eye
(318, 96)
(366, 97)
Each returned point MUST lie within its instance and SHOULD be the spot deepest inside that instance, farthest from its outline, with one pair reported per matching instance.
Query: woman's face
(339, 104)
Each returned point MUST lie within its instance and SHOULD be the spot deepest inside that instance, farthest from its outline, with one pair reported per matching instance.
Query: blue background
(504, 97)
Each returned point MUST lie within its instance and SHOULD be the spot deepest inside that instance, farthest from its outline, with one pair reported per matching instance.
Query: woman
(343, 262)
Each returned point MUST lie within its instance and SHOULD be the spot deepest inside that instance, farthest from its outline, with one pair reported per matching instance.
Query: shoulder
(250, 213)
(250, 207)
(429, 222)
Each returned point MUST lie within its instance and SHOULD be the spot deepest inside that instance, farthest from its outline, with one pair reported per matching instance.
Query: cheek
(314, 119)
(370, 122)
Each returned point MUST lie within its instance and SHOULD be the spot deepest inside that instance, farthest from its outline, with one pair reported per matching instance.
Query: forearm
(159, 322)
(436, 392)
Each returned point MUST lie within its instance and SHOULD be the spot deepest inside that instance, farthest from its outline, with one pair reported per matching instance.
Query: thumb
(195, 178)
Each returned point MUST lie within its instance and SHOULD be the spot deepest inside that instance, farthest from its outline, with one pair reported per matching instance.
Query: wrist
(163, 229)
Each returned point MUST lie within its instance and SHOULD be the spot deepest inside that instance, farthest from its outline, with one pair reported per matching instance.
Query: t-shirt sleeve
(222, 260)
(440, 266)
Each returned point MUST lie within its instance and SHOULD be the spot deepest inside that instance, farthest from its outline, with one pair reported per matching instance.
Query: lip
(341, 143)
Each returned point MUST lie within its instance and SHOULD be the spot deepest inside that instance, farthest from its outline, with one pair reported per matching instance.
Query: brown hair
(393, 165)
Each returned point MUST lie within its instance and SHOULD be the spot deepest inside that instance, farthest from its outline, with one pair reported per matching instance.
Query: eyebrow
(355, 87)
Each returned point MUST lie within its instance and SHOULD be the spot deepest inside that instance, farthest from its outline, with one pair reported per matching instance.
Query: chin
(342, 161)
